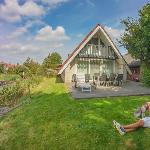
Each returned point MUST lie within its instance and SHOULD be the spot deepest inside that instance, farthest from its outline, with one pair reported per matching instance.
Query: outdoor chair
(87, 77)
(111, 79)
(118, 80)
(96, 79)
(80, 79)
(73, 78)
(103, 79)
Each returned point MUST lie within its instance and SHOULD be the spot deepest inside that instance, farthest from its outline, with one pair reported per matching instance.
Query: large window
(94, 67)
(82, 67)
(109, 67)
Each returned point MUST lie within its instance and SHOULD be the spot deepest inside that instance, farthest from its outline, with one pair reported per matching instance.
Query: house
(134, 66)
(97, 53)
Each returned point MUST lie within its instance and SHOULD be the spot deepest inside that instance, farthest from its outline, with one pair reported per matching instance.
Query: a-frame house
(97, 53)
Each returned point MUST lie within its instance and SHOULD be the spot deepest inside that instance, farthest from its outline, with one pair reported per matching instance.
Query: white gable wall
(69, 71)
(70, 67)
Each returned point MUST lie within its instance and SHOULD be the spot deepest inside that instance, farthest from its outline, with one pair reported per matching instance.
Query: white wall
(69, 71)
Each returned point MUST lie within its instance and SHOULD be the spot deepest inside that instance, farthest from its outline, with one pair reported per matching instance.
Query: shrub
(146, 77)
(9, 95)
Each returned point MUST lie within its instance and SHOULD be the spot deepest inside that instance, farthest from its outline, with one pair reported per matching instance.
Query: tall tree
(52, 60)
(136, 38)
(1, 68)
(31, 65)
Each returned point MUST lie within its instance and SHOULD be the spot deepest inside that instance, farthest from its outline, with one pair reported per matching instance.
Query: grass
(55, 121)
(8, 77)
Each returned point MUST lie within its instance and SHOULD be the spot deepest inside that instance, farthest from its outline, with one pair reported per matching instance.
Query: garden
(54, 120)
(41, 114)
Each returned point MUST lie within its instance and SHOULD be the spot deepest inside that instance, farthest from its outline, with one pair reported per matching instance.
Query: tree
(31, 65)
(1, 68)
(52, 60)
(136, 38)
(22, 70)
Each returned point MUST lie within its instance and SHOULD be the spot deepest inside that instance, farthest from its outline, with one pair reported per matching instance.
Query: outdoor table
(85, 87)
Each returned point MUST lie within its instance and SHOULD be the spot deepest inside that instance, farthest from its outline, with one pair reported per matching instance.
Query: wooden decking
(130, 88)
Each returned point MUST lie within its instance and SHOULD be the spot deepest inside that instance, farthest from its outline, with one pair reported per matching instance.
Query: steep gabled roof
(85, 41)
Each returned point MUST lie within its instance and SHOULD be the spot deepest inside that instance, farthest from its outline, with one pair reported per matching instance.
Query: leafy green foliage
(136, 38)
(9, 95)
(52, 60)
(9, 77)
(146, 77)
(22, 70)
(11, 70)
(1, 68)
(31, 65)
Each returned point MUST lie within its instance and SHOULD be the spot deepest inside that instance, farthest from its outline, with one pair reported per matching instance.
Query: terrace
(130, 88)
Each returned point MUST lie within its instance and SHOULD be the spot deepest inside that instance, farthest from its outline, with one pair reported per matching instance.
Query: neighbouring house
(7, 66)
(97, 53)
(134, 66)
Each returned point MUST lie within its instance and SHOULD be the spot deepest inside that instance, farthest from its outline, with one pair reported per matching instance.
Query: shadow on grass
(58, 79)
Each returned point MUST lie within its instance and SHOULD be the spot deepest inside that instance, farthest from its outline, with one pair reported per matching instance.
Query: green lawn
(54, 120)
(8, 77)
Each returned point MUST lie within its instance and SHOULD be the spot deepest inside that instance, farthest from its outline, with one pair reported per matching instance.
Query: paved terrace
(129, 88)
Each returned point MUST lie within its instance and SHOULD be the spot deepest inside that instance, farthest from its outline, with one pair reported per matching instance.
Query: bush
(9, 95)
(146, 77)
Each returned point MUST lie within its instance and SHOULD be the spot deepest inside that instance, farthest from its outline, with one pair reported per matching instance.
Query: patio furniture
(111, 79)
(87, 77)
(118, 80)
(96, 79)
(73, 78)
(85, 87)
(79, 80)
(103, 79)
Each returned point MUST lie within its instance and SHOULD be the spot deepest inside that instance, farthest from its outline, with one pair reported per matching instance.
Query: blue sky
(35, 28)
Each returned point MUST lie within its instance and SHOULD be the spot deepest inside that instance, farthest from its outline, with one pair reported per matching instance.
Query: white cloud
(11, 11)
(54, 2)
(47, 34)
(114, 33)
(24, 29)
(22, 36)
(31, 9)
(20, 31)
(43, 42)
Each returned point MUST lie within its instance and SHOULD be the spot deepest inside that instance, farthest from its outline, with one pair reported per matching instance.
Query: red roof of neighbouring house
(8, 65)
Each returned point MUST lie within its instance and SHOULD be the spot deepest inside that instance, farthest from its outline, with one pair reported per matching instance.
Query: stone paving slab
(129, 88)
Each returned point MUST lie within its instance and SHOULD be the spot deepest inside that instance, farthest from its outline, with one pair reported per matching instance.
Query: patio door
(82, 67)
(109, 67)
(94, 68)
